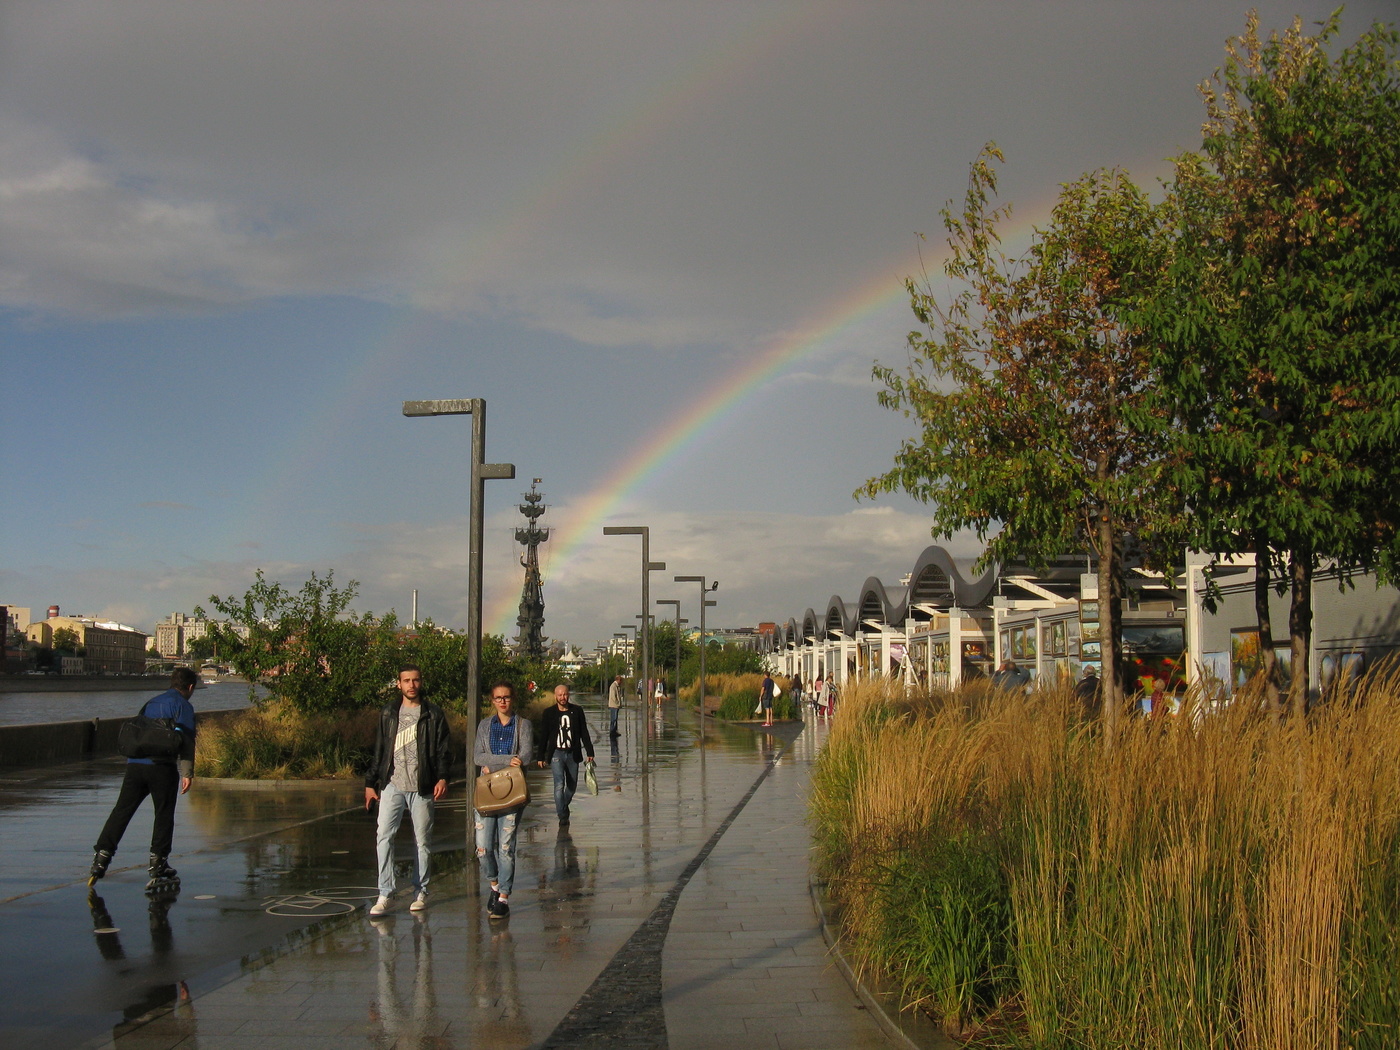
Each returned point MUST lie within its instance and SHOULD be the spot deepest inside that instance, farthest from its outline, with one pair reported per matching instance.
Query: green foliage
(664, 639)
(1025, 383)
(729, 658)
(595, 678)
(202, 648)
(308, 649)
(1279, 330)
(65, 639)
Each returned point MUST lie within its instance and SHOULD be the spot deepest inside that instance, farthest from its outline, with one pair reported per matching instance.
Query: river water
(19, 709)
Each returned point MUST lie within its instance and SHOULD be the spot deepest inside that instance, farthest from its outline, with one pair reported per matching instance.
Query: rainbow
(726, 397)
(717, 404)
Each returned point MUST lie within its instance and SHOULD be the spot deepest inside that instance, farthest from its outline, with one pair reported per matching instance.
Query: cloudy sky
(664, 241)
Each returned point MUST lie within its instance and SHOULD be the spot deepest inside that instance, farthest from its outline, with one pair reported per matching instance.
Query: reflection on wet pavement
(283, 956)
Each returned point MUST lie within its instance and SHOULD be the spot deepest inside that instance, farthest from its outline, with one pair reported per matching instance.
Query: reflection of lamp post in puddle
(648, 567)
(705, 603)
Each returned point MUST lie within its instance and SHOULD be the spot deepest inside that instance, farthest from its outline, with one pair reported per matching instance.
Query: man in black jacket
(563, 740)
(412, 760)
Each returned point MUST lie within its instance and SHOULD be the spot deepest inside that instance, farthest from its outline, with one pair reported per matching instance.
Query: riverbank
(79, 683)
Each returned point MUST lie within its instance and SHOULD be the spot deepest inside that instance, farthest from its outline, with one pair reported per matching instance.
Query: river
(20, 709)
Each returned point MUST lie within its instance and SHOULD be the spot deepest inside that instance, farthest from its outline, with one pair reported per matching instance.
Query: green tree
(306, 647)
(1278, 332)
(203, 647)
(665, 648)
(65, 639)
(1026, 385)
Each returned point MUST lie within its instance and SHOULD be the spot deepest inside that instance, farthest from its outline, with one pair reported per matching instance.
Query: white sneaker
(419, 902)
(381, 906)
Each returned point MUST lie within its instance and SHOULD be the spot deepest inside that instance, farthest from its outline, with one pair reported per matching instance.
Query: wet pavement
(672, 912)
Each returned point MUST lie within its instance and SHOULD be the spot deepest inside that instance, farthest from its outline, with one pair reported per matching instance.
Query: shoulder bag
(505, 789)
(143, 737)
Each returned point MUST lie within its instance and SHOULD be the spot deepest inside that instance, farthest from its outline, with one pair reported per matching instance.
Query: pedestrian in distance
(412, 761)
(504, 739)
(564, 740)
(614, 704)
(163, 779)
(660, 695)
(765, 698)
(796, 693)
(1011, 677)
(821, 697)
(1087, 692)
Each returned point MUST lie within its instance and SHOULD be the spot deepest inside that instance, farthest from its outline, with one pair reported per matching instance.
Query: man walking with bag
(564, 736)
(412, 760)
(164, 779)
(505, 739)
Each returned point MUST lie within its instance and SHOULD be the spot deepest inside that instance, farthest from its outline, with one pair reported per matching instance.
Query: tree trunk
(1300, 572)
(1109, 617)
(1262, 560)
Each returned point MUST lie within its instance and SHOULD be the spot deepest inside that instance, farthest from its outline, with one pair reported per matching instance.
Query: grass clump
(734, 697)
(278, 742)
(1219, 882)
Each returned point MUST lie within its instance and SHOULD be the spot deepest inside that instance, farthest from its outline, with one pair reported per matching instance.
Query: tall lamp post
(481, 473)
(648, 567)
(676, 602)
(705, 603)
(632, 666)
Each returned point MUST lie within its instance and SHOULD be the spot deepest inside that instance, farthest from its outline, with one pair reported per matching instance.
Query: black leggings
(160, 780)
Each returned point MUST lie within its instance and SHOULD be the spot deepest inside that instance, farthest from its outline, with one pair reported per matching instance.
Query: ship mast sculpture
(530, 641)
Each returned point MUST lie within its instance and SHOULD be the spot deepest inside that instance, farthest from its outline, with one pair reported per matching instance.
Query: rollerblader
(163, 779)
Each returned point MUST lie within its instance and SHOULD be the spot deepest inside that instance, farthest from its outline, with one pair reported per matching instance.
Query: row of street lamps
(481, 472)
(642, 641)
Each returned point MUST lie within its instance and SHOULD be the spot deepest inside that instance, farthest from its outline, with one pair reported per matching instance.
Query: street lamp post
(631, 648)
(705, 603)
(481, 473)
(648, 567)
(676, 602)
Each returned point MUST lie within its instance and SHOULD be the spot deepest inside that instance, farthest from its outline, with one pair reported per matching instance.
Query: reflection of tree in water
(566, 895)
(406, 1019)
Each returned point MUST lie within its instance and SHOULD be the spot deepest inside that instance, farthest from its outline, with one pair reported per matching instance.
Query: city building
(108, 647)
(175, 633)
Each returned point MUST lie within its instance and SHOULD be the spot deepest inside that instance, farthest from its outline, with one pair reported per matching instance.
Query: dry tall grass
(1222, 882)
(277, 742)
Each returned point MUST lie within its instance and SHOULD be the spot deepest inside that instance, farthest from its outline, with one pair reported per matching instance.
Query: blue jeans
(565, 768)
(612, 720)
(495, 848)
(392, 803)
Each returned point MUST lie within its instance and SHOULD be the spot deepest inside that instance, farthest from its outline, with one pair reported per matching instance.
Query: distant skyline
(664, 242)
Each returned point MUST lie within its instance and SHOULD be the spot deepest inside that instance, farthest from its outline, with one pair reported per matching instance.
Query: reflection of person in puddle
(168, 1002)
(616, 758)
(398, 1019)
(496, 995)
(564, 899)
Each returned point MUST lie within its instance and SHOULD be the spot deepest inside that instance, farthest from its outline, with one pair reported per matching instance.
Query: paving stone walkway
(672, 913)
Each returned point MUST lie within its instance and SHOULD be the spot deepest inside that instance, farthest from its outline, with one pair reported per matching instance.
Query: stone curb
(907, 1030)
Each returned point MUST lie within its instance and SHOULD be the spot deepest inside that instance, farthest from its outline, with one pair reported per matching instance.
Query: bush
(1214, 882)
(277, 742)
(734, 697)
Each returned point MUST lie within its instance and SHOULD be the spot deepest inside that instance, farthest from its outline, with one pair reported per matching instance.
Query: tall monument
(530, 640)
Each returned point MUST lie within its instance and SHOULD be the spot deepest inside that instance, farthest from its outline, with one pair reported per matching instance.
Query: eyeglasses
(502, 696)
